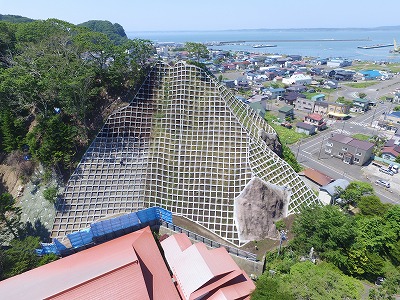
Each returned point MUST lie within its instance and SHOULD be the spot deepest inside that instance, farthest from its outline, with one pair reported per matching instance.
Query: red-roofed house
(316, 120)
(390, 153)
(129, 267)
(205, 274)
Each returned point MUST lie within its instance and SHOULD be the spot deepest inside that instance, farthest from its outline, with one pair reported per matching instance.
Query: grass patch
(286, 135)
(392, 67)
(361, 85)
(361, 137)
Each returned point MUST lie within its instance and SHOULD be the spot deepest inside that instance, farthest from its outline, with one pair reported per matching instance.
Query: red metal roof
(317, 176)
(391, 150)
(201, 272)
(129, 267)
(316, 117)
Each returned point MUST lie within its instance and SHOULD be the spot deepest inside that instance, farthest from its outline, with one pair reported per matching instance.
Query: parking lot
(372, 173)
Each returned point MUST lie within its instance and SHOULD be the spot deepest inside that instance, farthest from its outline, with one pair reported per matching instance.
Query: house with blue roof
(393, 117)
(273, 93)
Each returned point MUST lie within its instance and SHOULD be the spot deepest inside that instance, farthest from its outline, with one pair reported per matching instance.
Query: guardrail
(211, 243)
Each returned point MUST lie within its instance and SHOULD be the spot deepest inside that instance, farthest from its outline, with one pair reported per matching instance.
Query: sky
(177, 15)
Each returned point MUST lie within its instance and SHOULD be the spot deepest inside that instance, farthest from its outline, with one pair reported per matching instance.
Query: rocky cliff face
(257, 208)
(272, 141)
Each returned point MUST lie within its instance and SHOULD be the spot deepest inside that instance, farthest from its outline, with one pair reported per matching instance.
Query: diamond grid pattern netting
(184, 143)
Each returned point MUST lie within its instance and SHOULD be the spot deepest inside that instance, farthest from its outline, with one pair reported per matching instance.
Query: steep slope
(184, 143)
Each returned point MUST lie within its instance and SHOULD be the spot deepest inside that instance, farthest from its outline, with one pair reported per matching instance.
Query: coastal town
(136, 169)
(330, 103)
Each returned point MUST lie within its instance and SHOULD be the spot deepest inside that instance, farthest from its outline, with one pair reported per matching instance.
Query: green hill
(114, 31)
(15, 19)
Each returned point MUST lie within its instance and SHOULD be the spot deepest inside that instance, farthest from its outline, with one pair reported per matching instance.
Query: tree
(362, 95)
(308, 281)
(10, 216)
(21, 257)
(52, 141)
(357, 189)
(371, 206)
(396, 108)
(50, 194)
(328, 230)
(397, 160)
(198, 50)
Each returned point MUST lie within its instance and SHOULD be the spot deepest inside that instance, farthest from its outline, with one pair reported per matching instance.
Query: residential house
(241, 65)
(328, 194)
(257, 98)
(297, 79)
(273, 93)
(360, 105)
(304, 104)
(331, 84)
(316, 120)
(291, 97)
(229, 83)
(284, 112)
(390, 153)
(321, 107)
(306, 128)
(391, 149)
(341, 75)
(242, 82)
(338, 63)
(348, 149)
(229, 66)
(319, 97)
(393, 117)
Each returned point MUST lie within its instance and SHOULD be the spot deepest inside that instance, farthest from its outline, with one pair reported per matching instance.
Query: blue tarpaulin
(114, 224)
(148, 215)
(165, 215)
(80, 238)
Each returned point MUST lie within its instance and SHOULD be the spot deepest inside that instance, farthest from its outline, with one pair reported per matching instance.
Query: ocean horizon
(310, 42)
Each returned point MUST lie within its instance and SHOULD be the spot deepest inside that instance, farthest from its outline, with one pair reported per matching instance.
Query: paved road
(310, 152)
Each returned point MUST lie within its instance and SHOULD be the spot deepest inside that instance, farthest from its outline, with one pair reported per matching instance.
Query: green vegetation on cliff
(114, 32)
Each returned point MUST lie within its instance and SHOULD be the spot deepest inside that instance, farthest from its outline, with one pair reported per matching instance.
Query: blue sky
(167, 15)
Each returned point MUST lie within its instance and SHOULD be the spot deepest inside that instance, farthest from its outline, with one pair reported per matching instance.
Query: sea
(317, 43)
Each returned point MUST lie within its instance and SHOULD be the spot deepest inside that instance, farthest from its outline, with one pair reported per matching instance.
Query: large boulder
(272, 141)
(257, 207)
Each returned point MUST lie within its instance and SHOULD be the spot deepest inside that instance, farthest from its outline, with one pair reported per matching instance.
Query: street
(310, 153)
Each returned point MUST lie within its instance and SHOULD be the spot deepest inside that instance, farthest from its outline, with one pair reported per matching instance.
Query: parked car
(383, 182)
(386, 171)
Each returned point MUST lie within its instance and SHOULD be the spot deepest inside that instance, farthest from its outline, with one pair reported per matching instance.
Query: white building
(297, 79)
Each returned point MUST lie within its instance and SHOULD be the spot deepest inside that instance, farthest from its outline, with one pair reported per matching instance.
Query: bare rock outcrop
(257, 207)
(272, 141)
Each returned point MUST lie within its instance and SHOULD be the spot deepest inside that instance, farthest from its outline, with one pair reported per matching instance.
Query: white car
(383, 182)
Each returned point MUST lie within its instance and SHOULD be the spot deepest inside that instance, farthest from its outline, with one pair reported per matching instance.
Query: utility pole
(298, 150)
(320, 149)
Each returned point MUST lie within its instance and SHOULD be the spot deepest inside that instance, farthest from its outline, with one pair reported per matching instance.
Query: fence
(106, 230)
(211, 243)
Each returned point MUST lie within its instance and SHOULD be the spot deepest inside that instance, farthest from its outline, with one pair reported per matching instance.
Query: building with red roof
(128, 267)
(316, 120)
(201, 273)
